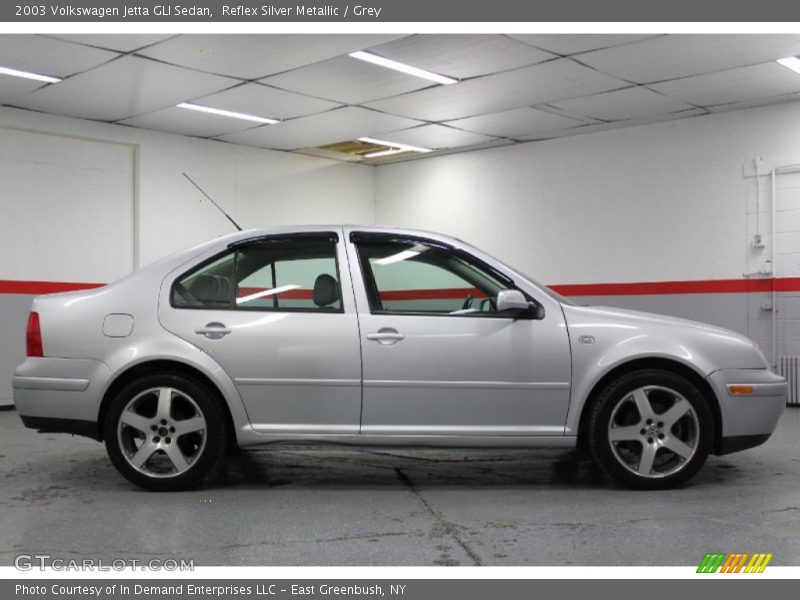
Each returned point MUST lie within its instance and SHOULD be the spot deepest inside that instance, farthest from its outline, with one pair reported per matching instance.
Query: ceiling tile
(12, 88)
(123, 88)
(189, 122)
(436, 137)
(461, 56)
(795, 97)
(734, 85)
(516, 123)
(254, 56)
(596, 127)
(673, 56)
(263, 101)
(564, 43)
(630, 103)
(121, 42)
(325, 128)
(546, 82)
(347, 80)
(46, 56)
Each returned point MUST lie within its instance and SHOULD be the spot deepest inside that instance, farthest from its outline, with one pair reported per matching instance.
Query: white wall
(660, 202)
(257, 187)
(50, 183)
(54, 224)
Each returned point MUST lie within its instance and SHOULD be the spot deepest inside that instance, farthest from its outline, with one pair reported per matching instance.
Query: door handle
(213, 331)
(386, 336)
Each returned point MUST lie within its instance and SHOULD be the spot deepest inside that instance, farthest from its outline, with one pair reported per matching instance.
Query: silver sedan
(379, 336)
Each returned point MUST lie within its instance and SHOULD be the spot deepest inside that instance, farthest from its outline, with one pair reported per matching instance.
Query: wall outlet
(766, 305)
(758, 242)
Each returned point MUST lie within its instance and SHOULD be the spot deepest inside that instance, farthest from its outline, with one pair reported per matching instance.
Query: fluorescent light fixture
(792, 62)
(265, 293)
(388, 152)
(401, 256)
(403, 68)
(227, 113)
(394, 145)
(28, 75)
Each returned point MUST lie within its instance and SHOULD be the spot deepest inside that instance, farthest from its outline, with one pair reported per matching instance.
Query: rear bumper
(748, 419)
(61, 395)
(88, 429)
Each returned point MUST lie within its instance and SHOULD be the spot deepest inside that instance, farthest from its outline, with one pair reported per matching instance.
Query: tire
(165, 431)
(656, 448)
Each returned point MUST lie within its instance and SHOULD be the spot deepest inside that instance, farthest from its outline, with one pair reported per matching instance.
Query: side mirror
(514, 301)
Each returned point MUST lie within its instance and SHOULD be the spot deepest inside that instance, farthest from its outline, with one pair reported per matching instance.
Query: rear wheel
(163, 432)
(651, 429)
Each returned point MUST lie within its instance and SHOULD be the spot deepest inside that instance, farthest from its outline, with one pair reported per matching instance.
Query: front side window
(412, 277)
(300, 274)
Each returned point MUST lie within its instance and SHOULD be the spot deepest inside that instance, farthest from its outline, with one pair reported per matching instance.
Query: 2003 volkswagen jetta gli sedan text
(379, 336)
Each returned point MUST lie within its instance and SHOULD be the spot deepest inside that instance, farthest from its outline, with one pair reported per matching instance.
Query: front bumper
(61, 394)
(748, 419)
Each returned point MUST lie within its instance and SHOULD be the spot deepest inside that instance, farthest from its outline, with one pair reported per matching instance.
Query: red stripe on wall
(296, 294)
(709, 286)
(43, 287)
(440, 294)
(433, 294)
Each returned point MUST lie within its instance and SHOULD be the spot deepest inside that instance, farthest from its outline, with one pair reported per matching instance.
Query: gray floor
(334, 506)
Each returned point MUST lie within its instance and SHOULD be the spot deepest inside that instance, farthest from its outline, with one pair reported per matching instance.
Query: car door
(277, 314)
(438, 359)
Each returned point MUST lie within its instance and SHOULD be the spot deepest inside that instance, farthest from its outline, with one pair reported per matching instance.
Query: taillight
(33, 336)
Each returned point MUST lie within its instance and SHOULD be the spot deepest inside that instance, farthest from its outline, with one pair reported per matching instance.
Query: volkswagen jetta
(379, 336)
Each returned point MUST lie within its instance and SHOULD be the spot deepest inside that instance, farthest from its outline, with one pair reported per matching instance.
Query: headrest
(326, 290)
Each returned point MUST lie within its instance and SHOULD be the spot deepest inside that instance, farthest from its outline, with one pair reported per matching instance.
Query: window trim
(371, 288)
(235, 247)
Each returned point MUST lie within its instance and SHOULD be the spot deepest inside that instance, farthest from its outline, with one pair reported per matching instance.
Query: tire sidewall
(607, 401)
(215, 431)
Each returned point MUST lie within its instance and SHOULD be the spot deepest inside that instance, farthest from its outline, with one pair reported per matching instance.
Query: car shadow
(326, 467)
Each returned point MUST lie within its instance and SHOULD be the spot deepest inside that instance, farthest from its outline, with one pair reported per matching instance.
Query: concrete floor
(340, 506)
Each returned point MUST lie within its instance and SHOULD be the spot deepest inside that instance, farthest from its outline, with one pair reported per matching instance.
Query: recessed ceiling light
(394, 146)
(28, 75)
(227, 113)
(792, 62)
(388, 152)
(403, 68)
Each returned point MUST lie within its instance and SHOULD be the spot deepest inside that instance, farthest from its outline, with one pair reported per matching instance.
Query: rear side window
(299, 274)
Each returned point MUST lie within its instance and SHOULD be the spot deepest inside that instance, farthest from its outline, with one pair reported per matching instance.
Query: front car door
(277, 314)
(438, 359)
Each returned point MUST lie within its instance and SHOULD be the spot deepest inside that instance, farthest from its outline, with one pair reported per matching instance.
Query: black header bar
(393, 11)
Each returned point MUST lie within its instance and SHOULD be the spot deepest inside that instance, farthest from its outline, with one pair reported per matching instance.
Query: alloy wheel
(653, 431)
(161, 432)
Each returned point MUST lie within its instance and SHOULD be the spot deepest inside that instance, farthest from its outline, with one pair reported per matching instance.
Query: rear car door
(438, 359)
(277, 314)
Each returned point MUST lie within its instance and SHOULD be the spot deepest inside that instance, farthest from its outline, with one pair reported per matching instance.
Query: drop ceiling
(510, 89)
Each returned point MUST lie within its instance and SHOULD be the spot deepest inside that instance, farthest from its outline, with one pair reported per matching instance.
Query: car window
(410, 277)
(284, 274)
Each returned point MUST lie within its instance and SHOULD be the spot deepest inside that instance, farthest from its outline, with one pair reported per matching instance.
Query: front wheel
(651, 429)
(163, 432)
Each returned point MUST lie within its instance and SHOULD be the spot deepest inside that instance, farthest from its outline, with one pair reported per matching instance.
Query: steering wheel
(467, 302)
(491, 303)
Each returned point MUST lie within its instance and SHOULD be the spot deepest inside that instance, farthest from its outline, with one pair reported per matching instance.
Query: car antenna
(235, 224)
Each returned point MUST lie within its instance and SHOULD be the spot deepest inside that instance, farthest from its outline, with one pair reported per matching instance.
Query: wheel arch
(664, 364)
(162, 366)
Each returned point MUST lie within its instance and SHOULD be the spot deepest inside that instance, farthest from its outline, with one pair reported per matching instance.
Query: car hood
(638, 316)
(659, 335)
